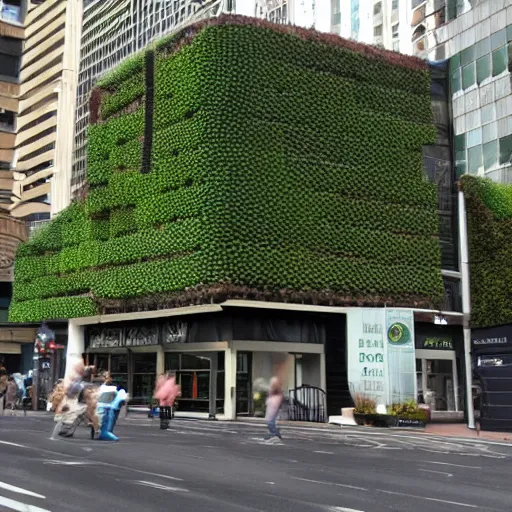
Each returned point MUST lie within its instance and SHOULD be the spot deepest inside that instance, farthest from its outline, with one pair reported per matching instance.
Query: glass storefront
(193, 374)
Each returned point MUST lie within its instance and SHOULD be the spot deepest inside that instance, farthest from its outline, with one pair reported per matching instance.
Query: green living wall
(489, 220)
(243, 159)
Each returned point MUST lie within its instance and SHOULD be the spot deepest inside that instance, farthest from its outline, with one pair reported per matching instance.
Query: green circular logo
(399, 334)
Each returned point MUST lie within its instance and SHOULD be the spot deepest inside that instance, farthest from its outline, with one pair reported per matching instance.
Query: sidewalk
(461, 430)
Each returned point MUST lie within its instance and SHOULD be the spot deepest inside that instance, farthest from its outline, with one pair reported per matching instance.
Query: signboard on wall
(401, 358)
(366, 353)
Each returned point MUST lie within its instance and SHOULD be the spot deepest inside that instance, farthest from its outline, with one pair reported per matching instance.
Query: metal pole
(213, 386)
(35, 380)
(466, 307)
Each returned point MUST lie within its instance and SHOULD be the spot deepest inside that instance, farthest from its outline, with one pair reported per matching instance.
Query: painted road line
(13, 444)
(343, 509)
(329, 483)
(437, 500)
(326, 453)
(19, 490)
(450, 464)
(69, 463)
(18, 506)
(161, 487)
(438, 472)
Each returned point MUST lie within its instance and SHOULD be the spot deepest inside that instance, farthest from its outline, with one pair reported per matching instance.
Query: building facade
(478, 44)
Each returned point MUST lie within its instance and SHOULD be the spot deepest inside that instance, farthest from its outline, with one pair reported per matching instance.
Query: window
(11, 10)
(456, 81)
(483, 68)
(474, 159)
(6, 120)
(394, 5)
(467, 56)
(490, 151)
(468, 76)
(9, 65)
(394, 29)
(396, 46)
(498, 39)
(506, 150)
(377, 8)
(499, 61)
(336, 12)
(377, 31)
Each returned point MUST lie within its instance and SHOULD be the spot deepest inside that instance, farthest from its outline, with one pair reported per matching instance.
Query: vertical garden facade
(237, 160)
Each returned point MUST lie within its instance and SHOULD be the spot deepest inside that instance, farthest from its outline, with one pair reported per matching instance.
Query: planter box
(406, 422)
(376, 420)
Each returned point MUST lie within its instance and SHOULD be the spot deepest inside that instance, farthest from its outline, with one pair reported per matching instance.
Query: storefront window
(144, 376)
(193, 375)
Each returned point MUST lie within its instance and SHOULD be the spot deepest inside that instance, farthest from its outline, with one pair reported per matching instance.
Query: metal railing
(307, 403)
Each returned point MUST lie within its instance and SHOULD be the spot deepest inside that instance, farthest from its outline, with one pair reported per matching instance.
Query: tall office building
(477, 39)
(115, 29)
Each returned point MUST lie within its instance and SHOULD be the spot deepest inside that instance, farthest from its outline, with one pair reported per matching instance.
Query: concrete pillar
(76, 343)
(160, 360)
(323, 378)
(230, 384)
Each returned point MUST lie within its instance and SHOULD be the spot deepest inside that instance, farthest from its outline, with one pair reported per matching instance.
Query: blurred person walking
(166, 392)
(273, 405)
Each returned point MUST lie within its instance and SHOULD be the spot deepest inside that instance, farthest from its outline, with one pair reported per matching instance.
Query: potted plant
(365, 410)
(409, 414)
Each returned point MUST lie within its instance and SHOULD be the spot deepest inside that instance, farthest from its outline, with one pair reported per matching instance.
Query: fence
(307, 403)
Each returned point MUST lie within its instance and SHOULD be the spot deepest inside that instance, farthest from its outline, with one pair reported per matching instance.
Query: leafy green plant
(489, 222)
(409, 410)
(364, 404)
(310, 188)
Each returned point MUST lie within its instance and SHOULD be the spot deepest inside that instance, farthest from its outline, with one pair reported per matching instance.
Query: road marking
(438, 472)
(161, 487)
(343, 509)
(69, 462)
(467, 505)
(19, 490)
(20, 507)
(327, 453)
(450, 464)
(13, 444)
(270, 483)
(329, 483)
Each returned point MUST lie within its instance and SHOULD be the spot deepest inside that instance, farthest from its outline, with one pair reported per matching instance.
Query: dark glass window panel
(143, 388)
(460, 163)
(506, 150)
(455, 63)
(119, 363)
(498, 39)
(121, 381)
(483, 68)
(9, 65)
(468, 76)
(510, 57)
(467, 56)
(221, 361)
(203, 385)
(193, 362)
(474, 159)
(499, 61)
(456, 81)
(144, 363)
(490, 151)
(483, 47)
(459, 142)
(172, 361)
(102, 363)
(220, 384)
(509, 33)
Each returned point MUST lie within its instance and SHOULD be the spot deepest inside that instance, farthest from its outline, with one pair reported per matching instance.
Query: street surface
(224, 467)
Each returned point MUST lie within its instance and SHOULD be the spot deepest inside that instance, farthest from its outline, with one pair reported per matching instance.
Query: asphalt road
(206, 466)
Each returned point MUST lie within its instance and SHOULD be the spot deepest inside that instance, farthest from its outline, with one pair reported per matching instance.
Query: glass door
(144, 377)
(243, 383)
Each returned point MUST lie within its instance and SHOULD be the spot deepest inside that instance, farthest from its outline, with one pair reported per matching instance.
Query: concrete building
(478, 42)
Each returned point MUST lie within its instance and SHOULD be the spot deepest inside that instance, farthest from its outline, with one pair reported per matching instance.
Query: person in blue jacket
(109, 404)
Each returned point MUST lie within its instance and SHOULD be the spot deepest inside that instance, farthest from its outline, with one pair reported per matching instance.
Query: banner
(366, 353)
(401, 360)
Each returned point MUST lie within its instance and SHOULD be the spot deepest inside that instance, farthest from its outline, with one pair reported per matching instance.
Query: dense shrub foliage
(283, 165)
(489, 219)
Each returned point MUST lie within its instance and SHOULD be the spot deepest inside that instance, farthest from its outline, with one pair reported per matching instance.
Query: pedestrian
(166, 392)
(273, 404)
(11, 395)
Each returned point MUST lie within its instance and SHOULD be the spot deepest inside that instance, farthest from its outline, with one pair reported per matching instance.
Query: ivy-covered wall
(489, 220)
(238, 159)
